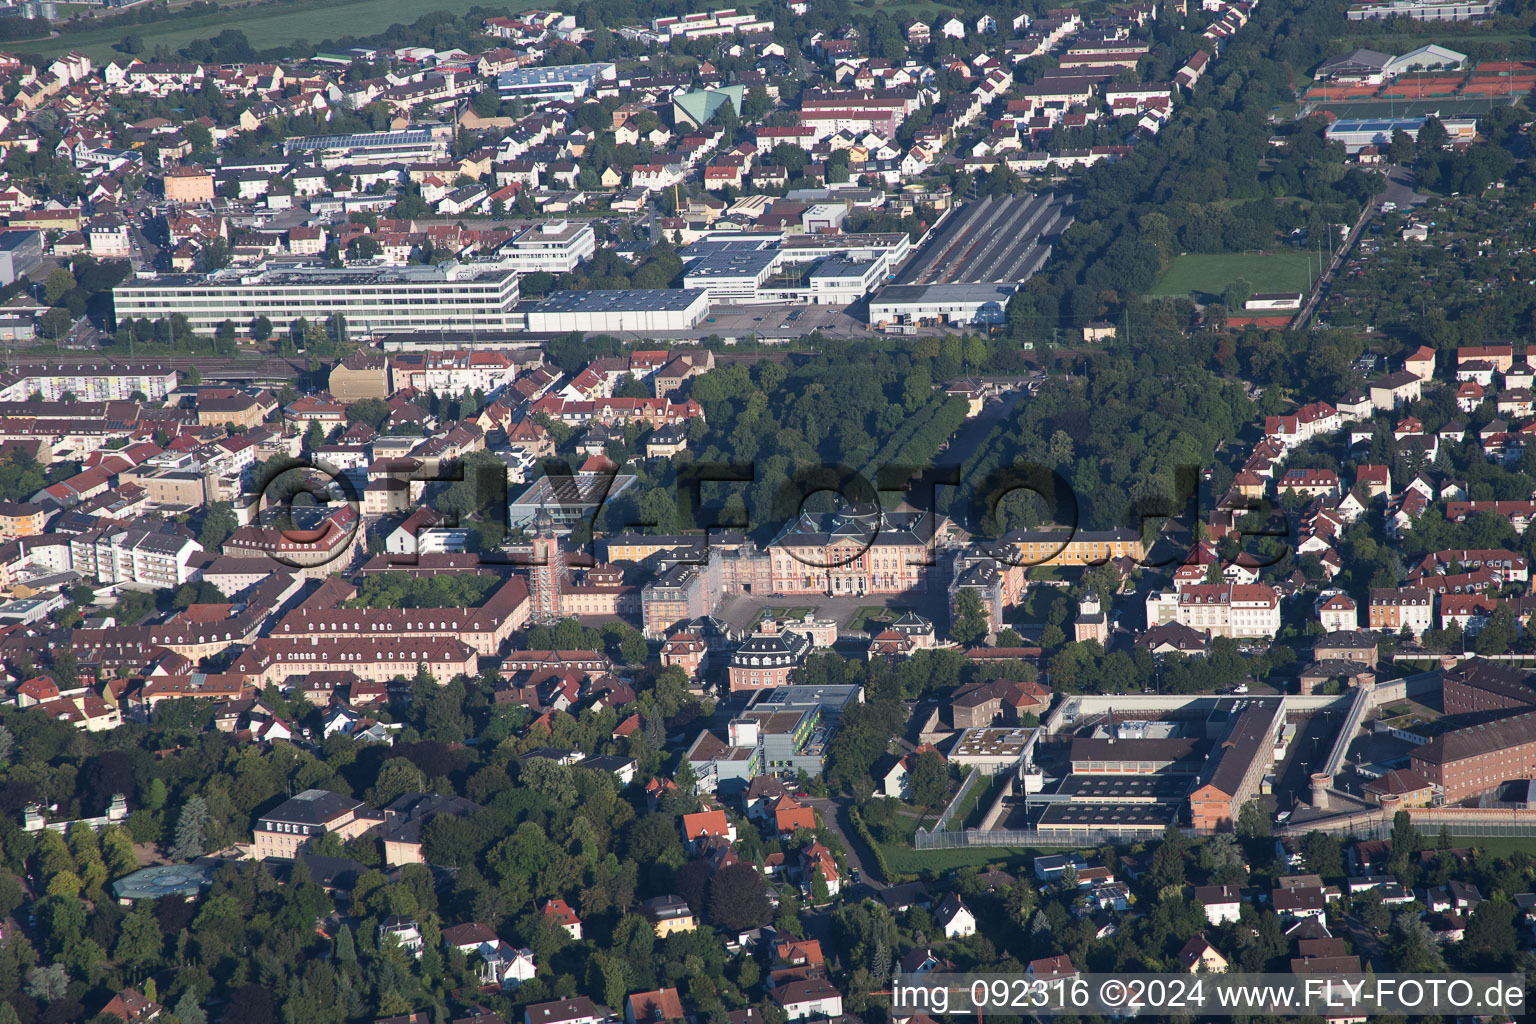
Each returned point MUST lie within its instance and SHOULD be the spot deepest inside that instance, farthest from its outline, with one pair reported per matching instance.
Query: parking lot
(781, 322)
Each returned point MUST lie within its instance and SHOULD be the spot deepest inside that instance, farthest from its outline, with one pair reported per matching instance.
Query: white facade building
(554, 247)
(117, 555)
(113, 384)
(567, 83)
(1230, 609)
(635, 310)
(447, 297)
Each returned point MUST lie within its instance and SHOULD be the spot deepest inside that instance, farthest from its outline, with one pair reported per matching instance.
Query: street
(1398, 191)
(834, 814)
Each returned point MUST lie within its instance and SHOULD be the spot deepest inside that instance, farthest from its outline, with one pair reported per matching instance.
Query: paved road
(1399, 190)
(834, 814)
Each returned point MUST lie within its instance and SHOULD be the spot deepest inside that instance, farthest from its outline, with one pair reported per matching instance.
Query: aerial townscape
(666, 516)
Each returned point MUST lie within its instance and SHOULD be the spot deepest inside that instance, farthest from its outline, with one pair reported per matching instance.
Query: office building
(783, 732)
(553, 247)
(21, 252)
(188, 185)
(841, 282)
(678, 595)
(767, 658)
(450, 296)
(856, 553)
(1229, 609)
(732, 274)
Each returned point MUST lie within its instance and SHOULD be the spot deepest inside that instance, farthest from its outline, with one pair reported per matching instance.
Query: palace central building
(450, 296)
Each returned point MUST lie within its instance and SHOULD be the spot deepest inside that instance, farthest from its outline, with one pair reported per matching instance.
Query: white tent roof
(1430, 56)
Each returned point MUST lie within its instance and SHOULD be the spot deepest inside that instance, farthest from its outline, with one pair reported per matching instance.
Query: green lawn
(860, 619)
(903, 859)
(1445, 106)
(264, 25)
(1207, 275)
(1494, 846)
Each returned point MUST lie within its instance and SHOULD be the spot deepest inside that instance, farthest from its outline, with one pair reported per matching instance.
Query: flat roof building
(567, 499)
(1356, 134)
(992, 750)
(551, 84)
(414, 145)
(552, 247)
(446, 297)
(619, 309)
(941, 303)
(21, 252)
(733, 274)
(1148, 819)
(1424, 10)
(840, 281)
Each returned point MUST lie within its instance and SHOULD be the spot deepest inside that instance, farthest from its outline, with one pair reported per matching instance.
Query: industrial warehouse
(620, 310)
(964, 273)
(973, 261)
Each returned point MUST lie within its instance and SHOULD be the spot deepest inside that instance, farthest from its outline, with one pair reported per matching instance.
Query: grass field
(903, 859)
(1207, 275)
(870, 614)
(1494, 846)
(263, 25)
(1441, 106)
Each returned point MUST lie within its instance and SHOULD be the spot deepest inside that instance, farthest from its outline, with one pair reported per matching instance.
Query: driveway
(834, 814)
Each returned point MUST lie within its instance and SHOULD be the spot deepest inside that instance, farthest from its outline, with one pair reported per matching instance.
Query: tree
(218, 523)
(1491, 939)
(48, 983)
(191, 830)
(138, 943)
(189, 1011)
(1253, 821)
(726, 117)
(363, 248)
(929, 779)
(396, 777)
(738, 898)
(971, 623)
(55, 322)
(1236, 295)
(1374, 912)
(260, 328)
(486, 103)
(1499, 632)
(58, 284)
